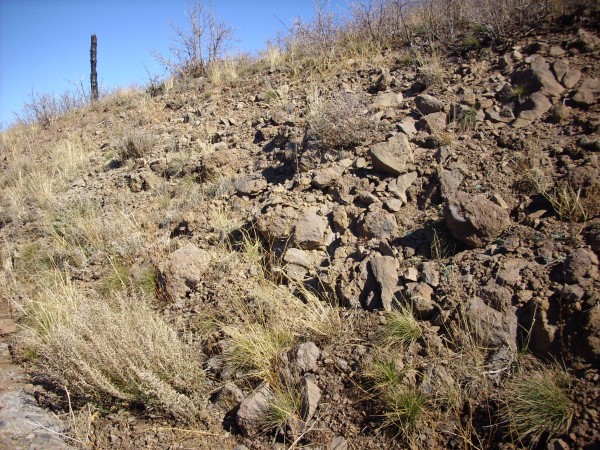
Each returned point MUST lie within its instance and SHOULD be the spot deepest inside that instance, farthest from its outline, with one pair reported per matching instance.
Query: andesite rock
(473, 219)
(394, 156)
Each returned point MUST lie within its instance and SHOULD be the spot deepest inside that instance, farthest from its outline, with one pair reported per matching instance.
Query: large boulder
(394, 156)
(183, 271)
(473, 219)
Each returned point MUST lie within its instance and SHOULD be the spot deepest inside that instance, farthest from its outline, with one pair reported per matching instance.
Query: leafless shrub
(203, 42)
(135, 144)
(44, 109)
(340, 122)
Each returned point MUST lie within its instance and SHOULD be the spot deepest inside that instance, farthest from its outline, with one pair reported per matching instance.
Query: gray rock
(539, 77)
(568, 77)
(394, 156)
(400, 185)
(393, 204)
(450, 181)
(407, 126)
(309, 232)
(532, 109)
(493, 328)
(430, 274)
(587, 94)
(428, 104)
(385, 270)
(311, 396)
(473, 219)
(228, 397)
(184, 270)
(250, 415)
(388, 100)
(250, 185)
(297, 257)
(307, 355)
(338, 443)
(586, 41)
(496, 296)
(433, 123)
(419, 295)
(379, 224)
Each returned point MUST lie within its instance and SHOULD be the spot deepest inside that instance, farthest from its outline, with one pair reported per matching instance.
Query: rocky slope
(466, 190)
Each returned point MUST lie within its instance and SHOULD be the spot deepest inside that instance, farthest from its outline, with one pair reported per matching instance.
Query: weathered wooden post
(93, 74)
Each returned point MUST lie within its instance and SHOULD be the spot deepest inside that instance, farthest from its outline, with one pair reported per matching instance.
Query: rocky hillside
(400, 251)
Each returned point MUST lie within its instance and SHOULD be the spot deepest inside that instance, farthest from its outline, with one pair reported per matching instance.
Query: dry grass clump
(401, 403)
(340, 122)
(35, 173)
(537, 405)
(565, 198)
(134, 144)
(114, 349)
(400, 328)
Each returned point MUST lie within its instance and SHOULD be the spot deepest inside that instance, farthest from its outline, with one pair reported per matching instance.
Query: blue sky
(44, 44)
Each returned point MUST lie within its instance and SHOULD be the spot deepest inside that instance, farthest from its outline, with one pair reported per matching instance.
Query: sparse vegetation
(134, 144)
(277, 281)
(82, 343)
(538, 406)
(340, 122)
(400, 329)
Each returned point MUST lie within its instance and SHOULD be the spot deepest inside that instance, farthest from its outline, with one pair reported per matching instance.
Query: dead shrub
(340, 122)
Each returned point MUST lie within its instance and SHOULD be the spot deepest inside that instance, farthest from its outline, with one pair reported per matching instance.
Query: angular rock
(419, 295)
(325, 177)
(379, 224)
(385, 270)
(587, 94)
(307, 355)
(277, 224)
(591, 348)
(473, 219)
(394, 156)
(400, 185)
(568, 77)
(433, 123)
(311, 396)
(492, 327)
(388, 100)
(532, 109)
(576, 266)
(430, 274)
(450, 181)
(183, 270)
(539, 77)
(338, 443)
(496, 296)
(393, 204)
(297, 257)
(428, 104)
(309, 232)
(250, 415)
(250, 185)
(228, 397)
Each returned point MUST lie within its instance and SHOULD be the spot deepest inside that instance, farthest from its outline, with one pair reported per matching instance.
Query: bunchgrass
(400, 329)
(538, 405)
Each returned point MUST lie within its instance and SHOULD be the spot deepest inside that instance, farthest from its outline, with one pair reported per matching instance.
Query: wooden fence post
(93, 74)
